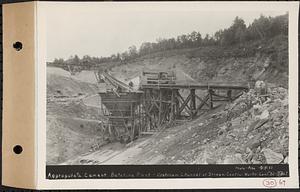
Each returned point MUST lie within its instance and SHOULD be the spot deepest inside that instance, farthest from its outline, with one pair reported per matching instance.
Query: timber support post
(229, 95)
(210, 93)
(173, 104)
(177, 103)
(160, 111)
(193, 102)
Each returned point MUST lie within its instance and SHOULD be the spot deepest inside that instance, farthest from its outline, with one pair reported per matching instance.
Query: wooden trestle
(164, 105)
(161, 101)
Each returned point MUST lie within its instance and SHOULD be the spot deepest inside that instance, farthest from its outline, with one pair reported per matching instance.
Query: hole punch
(18, 149)
(18, 46)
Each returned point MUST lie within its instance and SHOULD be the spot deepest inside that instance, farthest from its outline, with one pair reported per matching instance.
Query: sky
(103, 29)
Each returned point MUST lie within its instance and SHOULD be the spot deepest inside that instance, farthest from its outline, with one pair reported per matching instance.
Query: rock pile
(256, 130)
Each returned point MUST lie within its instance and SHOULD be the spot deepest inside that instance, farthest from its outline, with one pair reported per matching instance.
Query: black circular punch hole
(18, 45)
(18, 149)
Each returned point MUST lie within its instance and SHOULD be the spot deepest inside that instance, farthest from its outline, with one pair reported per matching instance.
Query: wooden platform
(196, 86)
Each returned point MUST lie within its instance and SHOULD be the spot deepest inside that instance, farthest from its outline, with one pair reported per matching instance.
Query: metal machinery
(123, 109)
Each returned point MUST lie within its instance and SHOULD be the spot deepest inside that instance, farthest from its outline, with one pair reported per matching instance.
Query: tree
(218, 36)
(145, 48)
(183, 40)
(206, 40)
(260, 27)
(124, 56)
(132, 51)
(239, 29)
(76, 60)
(198, 39)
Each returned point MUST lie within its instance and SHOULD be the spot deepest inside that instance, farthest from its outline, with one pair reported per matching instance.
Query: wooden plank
(119, 101)
(156, 100)
(119, 117)
(148, 133)
(195, 86)
(220, 100)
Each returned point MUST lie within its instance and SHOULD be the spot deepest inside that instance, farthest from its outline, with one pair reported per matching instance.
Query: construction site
(160, 99)
(172, 108)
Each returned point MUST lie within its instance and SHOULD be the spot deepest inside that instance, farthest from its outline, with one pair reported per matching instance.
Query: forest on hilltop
(263, 28)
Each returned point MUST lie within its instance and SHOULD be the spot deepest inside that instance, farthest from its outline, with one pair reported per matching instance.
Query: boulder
(256, 161)
(254, 142)
(272, 157)
(264, 115)
(260, 87)
(234, 159)
(286, 160)
(209, 160)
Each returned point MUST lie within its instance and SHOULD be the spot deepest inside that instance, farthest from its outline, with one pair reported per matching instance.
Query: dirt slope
(73, 117)
(60, 83)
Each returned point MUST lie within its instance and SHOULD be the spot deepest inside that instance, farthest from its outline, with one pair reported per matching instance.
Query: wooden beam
(238, 95)
(152, 98)
(220, 100)
(229, 94)
(176, 103)
(202, 100)
(193, 102)
(172, 115)
(148, 133)
(185, 104)
(203, 103)
(210, 93)
(160, 107)
(166, 112)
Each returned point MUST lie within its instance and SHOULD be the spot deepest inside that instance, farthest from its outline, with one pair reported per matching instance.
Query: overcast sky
(99, 29)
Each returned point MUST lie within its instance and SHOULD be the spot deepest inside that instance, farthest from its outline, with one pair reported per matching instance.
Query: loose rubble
(256, 130)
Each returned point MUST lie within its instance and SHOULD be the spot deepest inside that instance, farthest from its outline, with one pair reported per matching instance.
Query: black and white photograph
(157, 87)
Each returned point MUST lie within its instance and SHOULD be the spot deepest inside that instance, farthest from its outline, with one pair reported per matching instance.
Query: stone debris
(272, 157)
(264, 115)
(234, 159)
(286, 160)
(256, 128)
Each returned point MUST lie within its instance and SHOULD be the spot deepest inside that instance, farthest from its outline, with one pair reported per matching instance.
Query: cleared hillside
(73, 116)
(61, 83)
(258, 60)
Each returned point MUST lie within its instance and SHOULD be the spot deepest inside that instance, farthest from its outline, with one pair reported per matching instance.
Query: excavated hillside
(73, 116)
(259, 60)
(251, 129)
